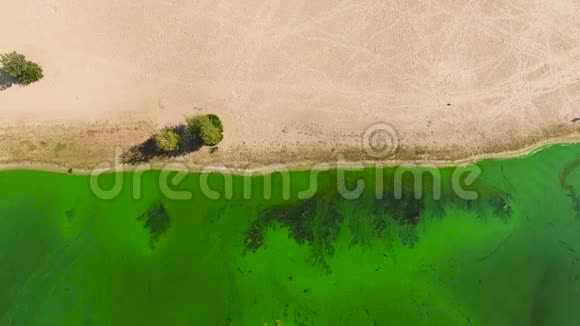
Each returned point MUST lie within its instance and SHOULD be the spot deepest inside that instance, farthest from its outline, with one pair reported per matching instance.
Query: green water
(510, 257)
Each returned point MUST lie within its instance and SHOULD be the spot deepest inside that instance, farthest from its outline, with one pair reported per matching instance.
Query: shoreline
(174, 165)
(299, 84)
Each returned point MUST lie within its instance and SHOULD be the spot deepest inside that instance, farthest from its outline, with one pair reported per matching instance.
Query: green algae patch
(510, 256)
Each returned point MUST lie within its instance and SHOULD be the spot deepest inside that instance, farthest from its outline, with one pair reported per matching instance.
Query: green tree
(16, 65)
(167, 140)
(208, 128)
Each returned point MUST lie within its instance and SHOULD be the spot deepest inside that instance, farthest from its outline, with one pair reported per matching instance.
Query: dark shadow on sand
(6, 81)
(147, 150)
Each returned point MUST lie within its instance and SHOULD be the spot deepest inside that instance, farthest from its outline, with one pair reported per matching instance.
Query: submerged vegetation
(572, 192)
(313, 222)
(317, 222)
(156, 221)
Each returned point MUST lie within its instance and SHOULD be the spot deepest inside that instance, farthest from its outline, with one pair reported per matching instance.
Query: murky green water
(510, 257)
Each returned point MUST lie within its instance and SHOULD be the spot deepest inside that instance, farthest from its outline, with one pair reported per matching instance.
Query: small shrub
(208, 128)
(167, 140)
(16, 65)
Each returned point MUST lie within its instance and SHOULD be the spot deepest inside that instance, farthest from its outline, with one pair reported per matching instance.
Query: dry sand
(294, 81)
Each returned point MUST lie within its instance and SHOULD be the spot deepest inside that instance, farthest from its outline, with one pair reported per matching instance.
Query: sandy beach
(295, 81)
